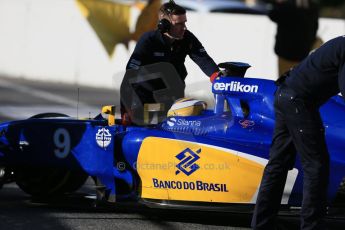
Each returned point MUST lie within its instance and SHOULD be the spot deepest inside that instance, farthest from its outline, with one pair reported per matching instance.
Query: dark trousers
(298, 127)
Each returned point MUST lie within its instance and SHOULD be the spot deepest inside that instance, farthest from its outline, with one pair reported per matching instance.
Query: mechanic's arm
(139, 55)
(199, 55)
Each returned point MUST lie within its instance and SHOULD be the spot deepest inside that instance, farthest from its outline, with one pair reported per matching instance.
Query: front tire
(45, 181)
(48, 181)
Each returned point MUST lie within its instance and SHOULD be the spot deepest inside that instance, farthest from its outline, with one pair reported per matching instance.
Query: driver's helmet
(187, 107)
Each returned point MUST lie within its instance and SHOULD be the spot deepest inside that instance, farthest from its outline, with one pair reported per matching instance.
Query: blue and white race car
(210, 159)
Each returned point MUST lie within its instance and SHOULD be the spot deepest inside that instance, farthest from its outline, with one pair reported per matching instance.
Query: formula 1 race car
(203, 158)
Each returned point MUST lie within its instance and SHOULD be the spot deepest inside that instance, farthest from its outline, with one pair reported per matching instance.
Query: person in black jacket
(297, 25)
(171, 43)
(298, 127)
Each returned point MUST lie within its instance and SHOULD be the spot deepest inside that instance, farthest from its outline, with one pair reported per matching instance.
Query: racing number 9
(62, 141)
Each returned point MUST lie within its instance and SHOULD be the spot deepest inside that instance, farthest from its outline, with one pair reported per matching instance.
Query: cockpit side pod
(170, 165)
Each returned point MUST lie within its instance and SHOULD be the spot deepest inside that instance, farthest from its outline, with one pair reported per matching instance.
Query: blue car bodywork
(213, 158)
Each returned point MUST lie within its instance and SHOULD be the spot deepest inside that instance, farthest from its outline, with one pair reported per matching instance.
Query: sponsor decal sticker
(187, 163)
(197, 172)
(188, 123)
(182, 122)
(103, 137)
(246, 123)
(171, 122)
(235, 86)
(188, 166)
(190, 185)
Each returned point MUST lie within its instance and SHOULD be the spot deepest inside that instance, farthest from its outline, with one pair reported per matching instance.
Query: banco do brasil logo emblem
(187, 163)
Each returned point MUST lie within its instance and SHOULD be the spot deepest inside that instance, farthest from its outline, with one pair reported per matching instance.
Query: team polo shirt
(154, 47)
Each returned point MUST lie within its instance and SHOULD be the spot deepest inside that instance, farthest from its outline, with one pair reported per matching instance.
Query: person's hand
(215, 75)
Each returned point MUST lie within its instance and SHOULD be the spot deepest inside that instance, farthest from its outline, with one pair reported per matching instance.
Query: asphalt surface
(20, 99)
(20, 211)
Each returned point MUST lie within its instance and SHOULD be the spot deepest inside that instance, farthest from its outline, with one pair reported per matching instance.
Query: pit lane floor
(18, 211)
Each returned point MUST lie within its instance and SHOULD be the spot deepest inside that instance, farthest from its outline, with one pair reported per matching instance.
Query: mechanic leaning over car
(298, 127)
(171, 42)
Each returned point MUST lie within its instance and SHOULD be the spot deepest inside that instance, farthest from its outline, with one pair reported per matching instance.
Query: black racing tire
(75, 181)
(46, 115)
(47, 182)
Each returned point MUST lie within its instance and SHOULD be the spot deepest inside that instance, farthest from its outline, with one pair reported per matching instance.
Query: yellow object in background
(147, 20)
(110, 21)
(110, 111)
